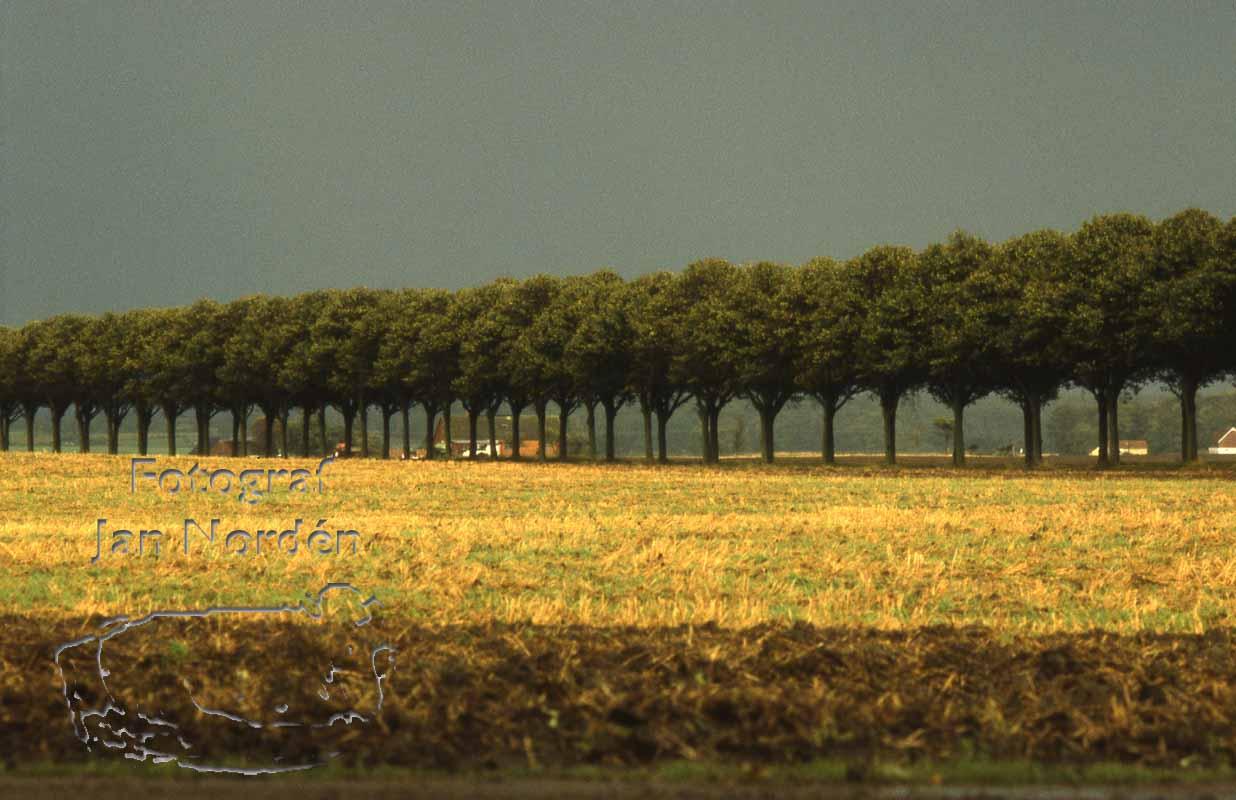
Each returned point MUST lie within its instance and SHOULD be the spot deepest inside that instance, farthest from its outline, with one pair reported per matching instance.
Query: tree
(165, 366)
(388, 388)
(1106, 329)
(108, 375)
(958, 348)
(1028, 353)
(545, 368)
(651, 303)
(476, 315)
(19, 377)
(765, 344)
(138, 364)
(703, 323)
(344, 347)
(825, 333)
(301, 377)
(264, 332)
(420, 345)
(200, 332)
(52, 364)
(599, 353)
(1193, 300)
(534, 365)
(11, 390)
(239, 376)
(886, 295)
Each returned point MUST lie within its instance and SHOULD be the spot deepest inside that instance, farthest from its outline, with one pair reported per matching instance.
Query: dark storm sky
(153, 153)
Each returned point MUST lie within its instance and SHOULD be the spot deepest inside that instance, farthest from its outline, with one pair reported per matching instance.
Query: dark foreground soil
(500, 696)
(526, 789)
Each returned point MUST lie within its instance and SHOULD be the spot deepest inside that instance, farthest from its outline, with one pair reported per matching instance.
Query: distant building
(504, 435)
(1130, 447)
(1226, 444)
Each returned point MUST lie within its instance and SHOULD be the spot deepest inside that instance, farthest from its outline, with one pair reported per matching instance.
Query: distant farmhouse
(1130, 447)
(504, 430)
(1226, 445)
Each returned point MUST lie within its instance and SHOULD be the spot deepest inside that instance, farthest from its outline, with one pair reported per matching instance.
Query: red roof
(1228, 439)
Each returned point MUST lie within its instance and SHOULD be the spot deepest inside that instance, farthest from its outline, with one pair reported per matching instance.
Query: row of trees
(1121, 301)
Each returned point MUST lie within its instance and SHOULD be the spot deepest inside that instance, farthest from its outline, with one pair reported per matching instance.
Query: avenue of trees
(1119, 302)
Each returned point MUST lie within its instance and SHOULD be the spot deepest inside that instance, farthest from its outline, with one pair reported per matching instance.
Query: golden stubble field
(453, 543)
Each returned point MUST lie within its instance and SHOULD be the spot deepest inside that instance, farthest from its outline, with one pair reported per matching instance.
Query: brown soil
(501, 695)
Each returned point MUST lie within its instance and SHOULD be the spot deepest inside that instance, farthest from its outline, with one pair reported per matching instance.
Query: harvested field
(572, 616)
(467, 543)
(481, 697)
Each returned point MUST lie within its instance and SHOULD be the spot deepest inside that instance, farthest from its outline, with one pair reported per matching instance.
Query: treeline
(1119, 302)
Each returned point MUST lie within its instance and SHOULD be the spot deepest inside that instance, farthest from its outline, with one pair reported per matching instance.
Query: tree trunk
(387, 413)
(888, 410)
(364, 429)
(406, 415)
(1184, 431)
(705, 440)
(4, 433)
(473, 414)
(828, 440)
(201, 415)
(647, 412)
(1027, 423)
(430, 418)
(446, 430)
(610, 413)
(268, 435)
(1113, 428)
(709, 411)
(1188, 422)
(56, 416)
(30, 429)
(1038, 431)
(1101, 399)
(562, 433)
(113, 433)
(662, 439)
(327, 447)
(285, 414)
(714, 435)
(768, 418)
(83, 431)
(591, 418)
(541, 438)
(491, 420)
(516, 441)
(959, 433)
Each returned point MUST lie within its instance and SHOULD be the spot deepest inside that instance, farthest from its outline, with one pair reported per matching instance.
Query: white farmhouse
(1130, 447)
(1226, 446)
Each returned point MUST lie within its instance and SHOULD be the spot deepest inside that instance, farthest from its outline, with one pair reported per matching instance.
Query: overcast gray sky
(153, 153)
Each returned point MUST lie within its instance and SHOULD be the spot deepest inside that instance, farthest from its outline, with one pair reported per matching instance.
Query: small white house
(1130, 447)
(1226, 446)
